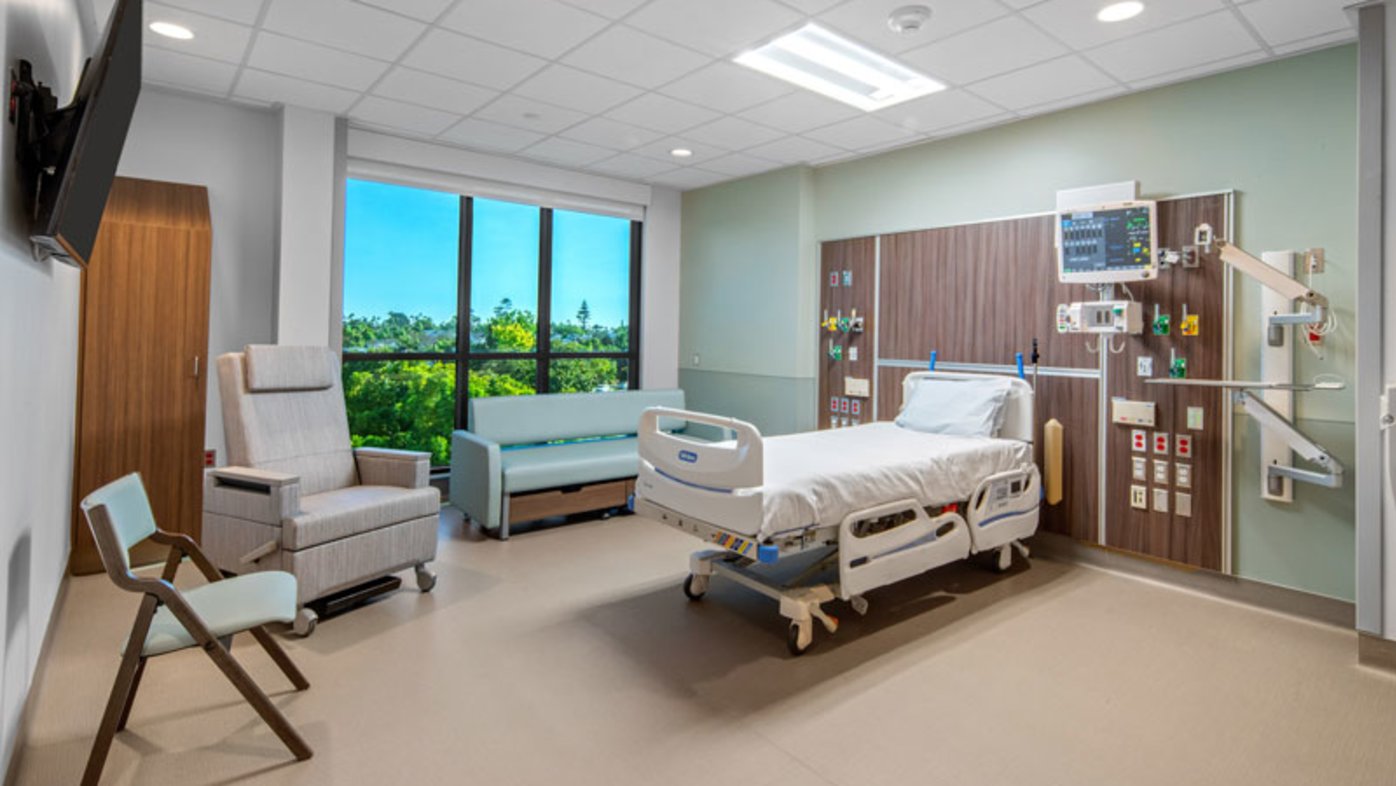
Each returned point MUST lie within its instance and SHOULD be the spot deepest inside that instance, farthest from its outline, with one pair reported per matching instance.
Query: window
(449, 297)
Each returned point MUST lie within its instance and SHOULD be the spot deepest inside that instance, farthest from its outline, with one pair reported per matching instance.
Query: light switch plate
(852, 354)
(1144, 366)
(1160, 500)
(1138, 497)
(1182, 504)
(1195, 418)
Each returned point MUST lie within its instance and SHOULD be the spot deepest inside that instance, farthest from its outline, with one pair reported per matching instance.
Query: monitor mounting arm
(1288, 287)
(1331, 475)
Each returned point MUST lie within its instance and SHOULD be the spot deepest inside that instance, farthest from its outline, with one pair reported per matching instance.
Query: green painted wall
(1281, 135)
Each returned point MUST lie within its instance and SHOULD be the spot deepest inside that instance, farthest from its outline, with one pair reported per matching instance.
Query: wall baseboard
(1376, 652)
(45, 647)
(1271, 597)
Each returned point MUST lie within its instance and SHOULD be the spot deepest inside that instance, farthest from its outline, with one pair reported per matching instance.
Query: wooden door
(142, 368)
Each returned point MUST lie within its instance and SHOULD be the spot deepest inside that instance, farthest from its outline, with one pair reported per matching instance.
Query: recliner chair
(298, 496)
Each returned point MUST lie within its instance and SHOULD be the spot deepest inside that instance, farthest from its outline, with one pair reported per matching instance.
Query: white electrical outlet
(1144, 366)
(1139, 497)
(1141, 469)
(853, 354)
(1161, 473)
(1183, 475)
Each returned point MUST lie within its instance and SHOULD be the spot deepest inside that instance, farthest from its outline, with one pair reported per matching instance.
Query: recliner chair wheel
(305, 622)
(426, 580)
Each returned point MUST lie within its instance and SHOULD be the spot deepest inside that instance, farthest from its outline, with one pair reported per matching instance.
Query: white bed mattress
(817, 478)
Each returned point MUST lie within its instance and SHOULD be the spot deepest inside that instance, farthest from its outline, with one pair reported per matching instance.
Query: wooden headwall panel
(857, 259)
(981, 293)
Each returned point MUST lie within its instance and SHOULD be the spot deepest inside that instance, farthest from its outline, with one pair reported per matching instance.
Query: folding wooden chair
(170, 620)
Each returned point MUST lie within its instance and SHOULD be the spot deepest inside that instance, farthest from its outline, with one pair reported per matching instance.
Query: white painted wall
(38, 379)
(659, 290)
(233, 151)
(305, 255)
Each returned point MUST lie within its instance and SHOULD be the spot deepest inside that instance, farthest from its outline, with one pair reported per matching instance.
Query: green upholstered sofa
(529, 457)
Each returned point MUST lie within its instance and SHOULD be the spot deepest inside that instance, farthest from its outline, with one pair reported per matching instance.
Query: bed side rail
(717, 466)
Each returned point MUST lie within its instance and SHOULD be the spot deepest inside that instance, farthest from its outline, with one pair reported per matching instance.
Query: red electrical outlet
(210, 457)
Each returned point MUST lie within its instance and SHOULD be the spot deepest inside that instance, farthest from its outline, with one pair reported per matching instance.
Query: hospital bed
(880, 501)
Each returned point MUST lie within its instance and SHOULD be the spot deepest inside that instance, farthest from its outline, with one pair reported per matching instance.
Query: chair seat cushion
(331, 515)
(550, 466)
(226, 607)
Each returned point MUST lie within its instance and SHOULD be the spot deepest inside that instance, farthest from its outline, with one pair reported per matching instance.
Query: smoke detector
(909, 19)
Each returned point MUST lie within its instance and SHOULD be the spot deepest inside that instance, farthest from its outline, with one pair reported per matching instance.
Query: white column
(659, 290)
(305, 248)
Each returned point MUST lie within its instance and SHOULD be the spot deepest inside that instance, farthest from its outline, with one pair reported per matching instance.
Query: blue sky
(401, 246)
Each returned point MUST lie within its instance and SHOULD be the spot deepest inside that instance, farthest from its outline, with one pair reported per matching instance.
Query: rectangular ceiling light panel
(831, 65)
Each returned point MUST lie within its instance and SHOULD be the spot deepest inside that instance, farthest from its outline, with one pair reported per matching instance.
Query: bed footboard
(709, 481)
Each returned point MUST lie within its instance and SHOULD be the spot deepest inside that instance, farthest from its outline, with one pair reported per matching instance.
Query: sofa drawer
(561, 502)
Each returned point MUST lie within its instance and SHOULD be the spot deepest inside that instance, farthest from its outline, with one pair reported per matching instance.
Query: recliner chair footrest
(346, 599)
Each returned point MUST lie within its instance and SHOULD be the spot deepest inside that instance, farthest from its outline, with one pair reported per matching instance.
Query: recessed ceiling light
(1119, 12)
(171, 30)
(681, 152)
(834, 66)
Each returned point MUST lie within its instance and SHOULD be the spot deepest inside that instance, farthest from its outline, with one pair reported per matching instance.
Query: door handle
(196, 367)
(1388, 433)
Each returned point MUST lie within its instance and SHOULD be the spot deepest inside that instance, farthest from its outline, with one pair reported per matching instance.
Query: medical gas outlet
(1101, 316)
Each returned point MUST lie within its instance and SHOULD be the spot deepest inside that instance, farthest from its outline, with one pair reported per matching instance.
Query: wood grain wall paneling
(859, 258)
(143, 356)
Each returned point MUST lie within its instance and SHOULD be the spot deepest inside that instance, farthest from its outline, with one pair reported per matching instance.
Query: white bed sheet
(817, 478)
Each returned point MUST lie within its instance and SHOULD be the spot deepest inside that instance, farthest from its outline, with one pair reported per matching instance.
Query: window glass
(591, 283)
(504, 276)
(403, 404)
(401, 250)
(588, 375)
(502, 378)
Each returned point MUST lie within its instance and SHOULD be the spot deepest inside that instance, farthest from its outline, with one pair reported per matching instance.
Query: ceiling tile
(213, 38)
(726, 87)
(614, 9)
(660, 150)
(938, 111)
(732, 133)
(430, 90)
(630, 165)
(1074, 22)
(181, 70)
(471, 60)
(425, 10)
(278, 89)
(567, 152)
(289, 56)
(1197, 41)
(340, 23)
(611, 134)
(811, 6)
(866, 21)
(1202, 70)
(1318, 41)
(1051, 81)
(688, 178)
(1020, 4)
(800, 111)
(403, 117)
(545, 28)
(493, 137)
(1285, 21)
(975, 125)
(521, 112)
(1005, 44)
(244, 12)
(564, 86)
(717, 27)
(1076, 100)
(740, 165)
(859, 133)
(661, 113)
(635, 57)
(794, 150)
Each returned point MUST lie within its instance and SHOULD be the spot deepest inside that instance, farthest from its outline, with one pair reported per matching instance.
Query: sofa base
(547, 503)
(346, 599)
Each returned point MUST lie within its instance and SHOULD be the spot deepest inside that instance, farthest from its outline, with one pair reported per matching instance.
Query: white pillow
(960, 407)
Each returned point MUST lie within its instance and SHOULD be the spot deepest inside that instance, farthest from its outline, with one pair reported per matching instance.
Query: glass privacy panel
(404, 404)
(591, 283)
(401, 247)
(504, 276)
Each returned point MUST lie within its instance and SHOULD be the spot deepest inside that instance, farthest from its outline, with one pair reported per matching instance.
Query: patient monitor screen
(1108, 243)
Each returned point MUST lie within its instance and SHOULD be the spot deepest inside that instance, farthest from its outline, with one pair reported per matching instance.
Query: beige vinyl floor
(570, 656)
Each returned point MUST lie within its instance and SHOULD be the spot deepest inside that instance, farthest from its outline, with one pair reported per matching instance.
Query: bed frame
(713, 491)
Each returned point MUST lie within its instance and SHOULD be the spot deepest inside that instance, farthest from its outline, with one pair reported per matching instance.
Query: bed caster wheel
(1004, 560)
(426, 580)
(859, 604)
(799, 638)
(305, 622)
(695, 587)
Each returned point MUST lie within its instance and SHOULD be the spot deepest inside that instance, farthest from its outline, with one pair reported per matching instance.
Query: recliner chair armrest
(253, 494)
(475, 477)
(409, 469)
